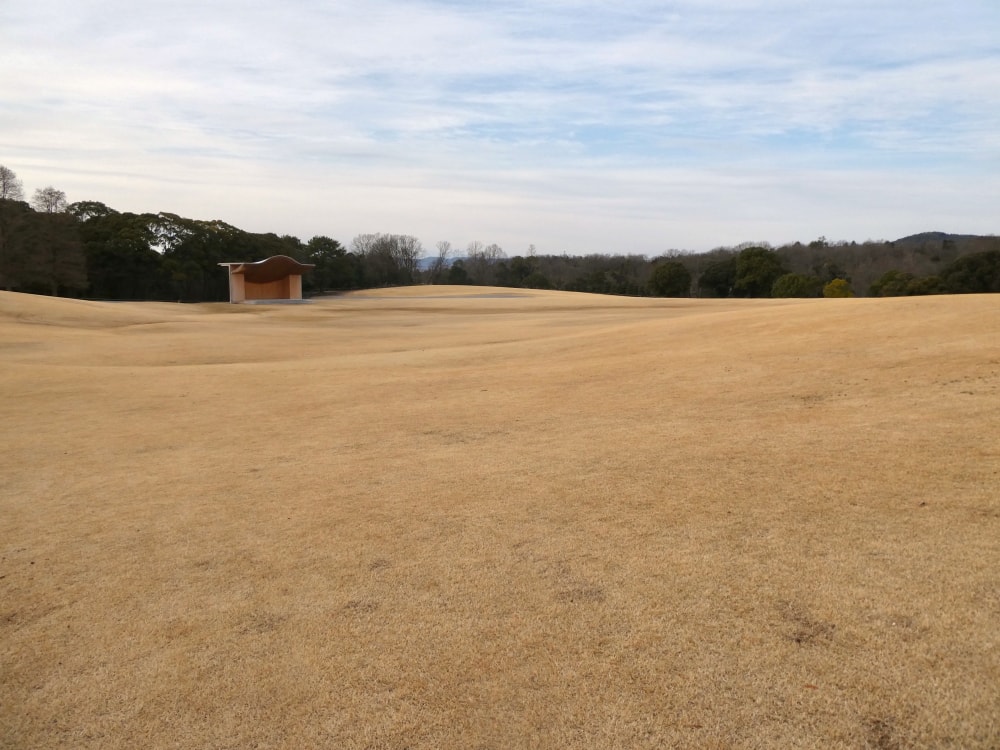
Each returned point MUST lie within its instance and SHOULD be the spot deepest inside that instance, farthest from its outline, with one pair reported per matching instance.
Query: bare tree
(408, 251)
(10, 186)
(48, 200)
(482, 260)
(440, 263)
(388, 259)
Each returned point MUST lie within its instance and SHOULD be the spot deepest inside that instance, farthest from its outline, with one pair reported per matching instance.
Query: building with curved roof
(274, 279)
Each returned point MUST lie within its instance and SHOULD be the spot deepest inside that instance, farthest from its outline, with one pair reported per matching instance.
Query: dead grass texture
(422, 519)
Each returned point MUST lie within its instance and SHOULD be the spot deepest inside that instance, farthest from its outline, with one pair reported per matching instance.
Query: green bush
(797, 285)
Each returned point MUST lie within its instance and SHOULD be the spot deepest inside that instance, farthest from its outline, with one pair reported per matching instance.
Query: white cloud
(583, 124)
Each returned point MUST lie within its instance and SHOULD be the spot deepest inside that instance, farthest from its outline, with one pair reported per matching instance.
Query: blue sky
(575, 125)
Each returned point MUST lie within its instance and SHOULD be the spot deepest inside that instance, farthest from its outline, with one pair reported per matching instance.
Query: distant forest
(89, 250)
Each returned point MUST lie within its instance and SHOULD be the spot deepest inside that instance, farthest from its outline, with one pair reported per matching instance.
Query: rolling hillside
(481, 518)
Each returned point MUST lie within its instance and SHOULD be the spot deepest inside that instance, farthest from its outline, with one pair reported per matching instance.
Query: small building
(275, 279)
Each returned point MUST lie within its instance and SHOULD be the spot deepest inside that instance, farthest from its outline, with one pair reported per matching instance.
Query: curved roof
(270, 269)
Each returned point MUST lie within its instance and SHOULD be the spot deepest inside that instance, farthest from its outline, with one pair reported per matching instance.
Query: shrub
(838, 288)
(797, 285)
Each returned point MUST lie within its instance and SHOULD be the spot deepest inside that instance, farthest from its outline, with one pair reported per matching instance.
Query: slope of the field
(453, 518)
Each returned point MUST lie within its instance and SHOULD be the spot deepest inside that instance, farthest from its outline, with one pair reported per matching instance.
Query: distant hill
(924, 237)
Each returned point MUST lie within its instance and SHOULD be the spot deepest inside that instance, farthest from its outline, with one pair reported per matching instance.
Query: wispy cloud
(585, 125)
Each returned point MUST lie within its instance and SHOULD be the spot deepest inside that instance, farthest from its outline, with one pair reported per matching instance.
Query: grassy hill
(477, 518)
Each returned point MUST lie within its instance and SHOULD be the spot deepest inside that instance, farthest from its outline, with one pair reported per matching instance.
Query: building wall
(273, 290)
(237, 290)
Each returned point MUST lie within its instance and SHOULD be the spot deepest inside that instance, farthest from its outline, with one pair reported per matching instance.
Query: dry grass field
(418, 518)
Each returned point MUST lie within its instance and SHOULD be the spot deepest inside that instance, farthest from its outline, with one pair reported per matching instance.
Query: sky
(576, 126)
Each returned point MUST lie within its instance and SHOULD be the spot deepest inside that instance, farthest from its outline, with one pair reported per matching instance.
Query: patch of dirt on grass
(802, 628)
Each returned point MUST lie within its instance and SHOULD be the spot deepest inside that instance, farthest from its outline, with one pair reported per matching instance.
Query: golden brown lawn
(417, 519)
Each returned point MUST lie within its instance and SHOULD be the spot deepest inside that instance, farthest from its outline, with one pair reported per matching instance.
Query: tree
(536, 280)
(440, 263)
(481, 260)
(56, 261)
(121, 261)
(592, 282)
(891, 284)
(11, 211)
(258, 246)
(670, 279)
(518, 270)
(718, 278)
(457, 273)
(388, 259)
(838, 288)
(797, 285)
(60, 260)
(901, 283)
(926, 285)
(10, 186)
(48, 200)
(86, 210)
(16, 219)
(600, 273)
(973, 273)
(40, 250)
(335, 267)
(192, 250)
(757, 268)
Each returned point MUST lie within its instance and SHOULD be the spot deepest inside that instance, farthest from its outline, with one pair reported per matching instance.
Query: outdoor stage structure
(274, 279)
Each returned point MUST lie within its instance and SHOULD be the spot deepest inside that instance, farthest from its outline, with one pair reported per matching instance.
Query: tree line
(87, 249)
